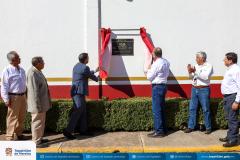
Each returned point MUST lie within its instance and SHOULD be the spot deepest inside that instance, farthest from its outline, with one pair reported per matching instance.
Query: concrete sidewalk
(138, 142)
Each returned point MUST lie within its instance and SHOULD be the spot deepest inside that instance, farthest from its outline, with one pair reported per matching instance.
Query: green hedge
(133, 114)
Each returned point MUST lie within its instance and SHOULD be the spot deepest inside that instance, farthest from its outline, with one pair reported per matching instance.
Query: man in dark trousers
(81, 74)
(230, 89)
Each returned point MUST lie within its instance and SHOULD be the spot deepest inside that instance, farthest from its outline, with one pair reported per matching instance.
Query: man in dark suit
(81, 74)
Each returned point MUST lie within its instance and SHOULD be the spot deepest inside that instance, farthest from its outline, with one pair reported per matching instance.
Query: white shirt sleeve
(152, 73)
(205, 73)
(236, 78)
(4, 86)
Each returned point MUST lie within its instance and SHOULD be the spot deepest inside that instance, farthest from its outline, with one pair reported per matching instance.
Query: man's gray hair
(36, 60)
(203, 55)
(11, 55)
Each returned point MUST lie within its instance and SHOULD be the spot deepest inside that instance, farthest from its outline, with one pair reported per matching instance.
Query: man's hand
(193, 69)
(145, 73)
(96, 70)
(8, 104)
(190, 69)
(149, 66)
(235, 106)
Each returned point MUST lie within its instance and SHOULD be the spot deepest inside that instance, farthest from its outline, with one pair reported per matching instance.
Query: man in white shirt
(200, 75)
(230, 89)
(13, 89)
(157, 74)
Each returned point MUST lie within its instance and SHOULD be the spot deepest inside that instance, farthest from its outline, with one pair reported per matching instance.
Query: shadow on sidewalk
(61, 138)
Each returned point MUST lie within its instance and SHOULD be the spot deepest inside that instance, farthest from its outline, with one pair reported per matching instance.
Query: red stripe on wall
(125, 91)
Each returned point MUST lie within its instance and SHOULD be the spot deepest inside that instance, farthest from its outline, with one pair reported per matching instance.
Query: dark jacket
(81, 73)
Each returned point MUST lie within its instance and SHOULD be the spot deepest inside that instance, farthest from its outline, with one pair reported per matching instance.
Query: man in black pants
(81, 73)
(230, 88)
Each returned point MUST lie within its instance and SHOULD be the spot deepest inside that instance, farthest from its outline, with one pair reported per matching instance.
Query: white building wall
(58, 30)
(52, 29)
(180, 28)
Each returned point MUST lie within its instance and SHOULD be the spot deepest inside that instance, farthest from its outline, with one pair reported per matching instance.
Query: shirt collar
(34, 68)
(13, 67)
(204, 64)
(158, 58)
(231, 66)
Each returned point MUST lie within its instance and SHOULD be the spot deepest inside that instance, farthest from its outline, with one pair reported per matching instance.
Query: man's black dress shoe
(223, 139)
(150, 134)
(208, 131)
(42, 145)
(230, 144)
(44, 140)
(21, 137)
(68, 135)
(188, 130)
(157, 135)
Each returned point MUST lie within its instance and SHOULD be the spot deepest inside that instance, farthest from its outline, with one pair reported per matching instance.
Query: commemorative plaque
(122, 47)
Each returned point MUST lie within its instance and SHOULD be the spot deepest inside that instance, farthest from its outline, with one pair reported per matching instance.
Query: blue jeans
(158, 105)
(203, 96)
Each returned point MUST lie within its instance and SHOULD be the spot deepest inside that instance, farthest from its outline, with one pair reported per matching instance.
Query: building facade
(58, 30)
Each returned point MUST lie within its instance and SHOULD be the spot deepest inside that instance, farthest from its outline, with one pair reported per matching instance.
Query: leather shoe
(44, 140)
(188, 130)
(42, 145)
(223, 139)
(157, 135)
(150, 134)
(68, 135)
(21, 137)
(208, 131)
(230, 144)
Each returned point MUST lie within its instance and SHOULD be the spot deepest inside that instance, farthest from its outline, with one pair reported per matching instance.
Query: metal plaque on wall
(122, 47)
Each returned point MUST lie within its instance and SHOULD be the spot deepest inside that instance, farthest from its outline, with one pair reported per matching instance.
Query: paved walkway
(138, 142)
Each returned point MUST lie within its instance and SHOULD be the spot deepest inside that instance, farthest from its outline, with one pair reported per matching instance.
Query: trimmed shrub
(3, 113)
(132, 114)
